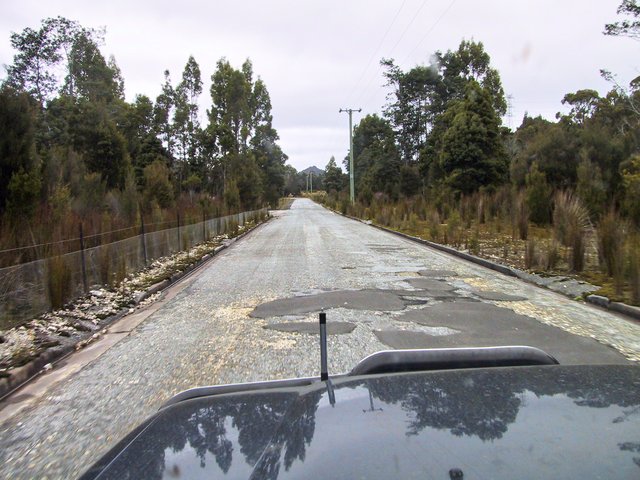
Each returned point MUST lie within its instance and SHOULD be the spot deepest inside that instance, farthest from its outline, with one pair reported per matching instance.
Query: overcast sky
(318, 56)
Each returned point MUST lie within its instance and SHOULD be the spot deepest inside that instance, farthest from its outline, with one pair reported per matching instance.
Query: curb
(24, 374)
(598, 300)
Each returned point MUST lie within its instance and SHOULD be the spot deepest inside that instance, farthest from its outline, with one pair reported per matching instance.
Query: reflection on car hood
(523, 422)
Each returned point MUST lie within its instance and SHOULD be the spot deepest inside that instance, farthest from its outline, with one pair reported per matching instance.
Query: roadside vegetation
(74, 151)
(556, 197)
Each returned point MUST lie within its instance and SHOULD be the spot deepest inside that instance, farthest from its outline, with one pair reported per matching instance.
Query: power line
(395, 17)
(409, 25)
(406, 29)
(445, 11)
(433, 26)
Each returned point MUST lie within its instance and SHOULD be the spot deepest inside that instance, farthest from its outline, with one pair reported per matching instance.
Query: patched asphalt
(437, 273)
(367, 299)
(498, 296)
(430, 285)
(312, 328)
(483, 325)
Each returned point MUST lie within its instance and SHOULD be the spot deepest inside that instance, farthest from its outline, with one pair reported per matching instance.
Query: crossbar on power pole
(352, 189)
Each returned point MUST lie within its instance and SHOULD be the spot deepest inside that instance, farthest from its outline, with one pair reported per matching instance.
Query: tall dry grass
(611, 239)
(571, 225)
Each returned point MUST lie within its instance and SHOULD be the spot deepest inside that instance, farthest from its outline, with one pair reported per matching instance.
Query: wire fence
(30, 289)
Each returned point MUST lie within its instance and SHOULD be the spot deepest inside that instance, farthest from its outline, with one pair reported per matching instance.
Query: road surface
(248, 316)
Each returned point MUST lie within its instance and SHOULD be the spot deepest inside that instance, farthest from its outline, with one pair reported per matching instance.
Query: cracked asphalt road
(209, 333)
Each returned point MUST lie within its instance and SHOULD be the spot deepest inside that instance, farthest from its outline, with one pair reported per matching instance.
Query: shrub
(538, 196)
(611, 244)
(590, 187)
(571, 224)
(452, 232)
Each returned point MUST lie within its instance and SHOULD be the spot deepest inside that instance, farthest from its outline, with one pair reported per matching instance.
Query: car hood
(522, 422)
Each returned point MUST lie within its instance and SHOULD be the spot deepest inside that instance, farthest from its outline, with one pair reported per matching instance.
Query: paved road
(236, 321)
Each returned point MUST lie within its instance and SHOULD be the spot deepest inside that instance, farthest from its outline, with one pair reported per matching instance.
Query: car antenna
(324, 374)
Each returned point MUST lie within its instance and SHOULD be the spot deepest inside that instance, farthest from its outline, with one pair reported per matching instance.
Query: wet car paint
(518, 422)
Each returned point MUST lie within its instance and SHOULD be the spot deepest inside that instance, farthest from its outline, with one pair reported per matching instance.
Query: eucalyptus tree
(413, 105)
(162, 114)
(333, 176)
(240, 135)
(628, 26)
(185, 120)
(32, 68)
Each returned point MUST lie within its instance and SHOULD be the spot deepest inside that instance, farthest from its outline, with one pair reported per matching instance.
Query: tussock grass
(496, 226)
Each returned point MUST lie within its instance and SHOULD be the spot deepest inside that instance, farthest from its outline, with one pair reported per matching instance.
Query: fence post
(179, 239)
(84, 267)
(144, 240)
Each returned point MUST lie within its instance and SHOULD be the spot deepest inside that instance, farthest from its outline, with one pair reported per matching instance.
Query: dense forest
(74, 150)
(440, 159)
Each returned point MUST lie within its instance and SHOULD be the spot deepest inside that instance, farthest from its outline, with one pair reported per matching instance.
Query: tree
(423, 94)
(17, 149)
(240, 124)
(89, 76)
(591, 187)
(375, 157)
(470, 63)
(162, 113)
(230, 112)
(629, 27)
(410, 181)
(186, 112)
(269, 156)
(414, 103)
(553, 147)
(472, 154)
(583, 105)
(157, 186)
(118, 79)
(103, 146)
(631, 182)
(23, 192)
(32, 68)
(333, 176)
